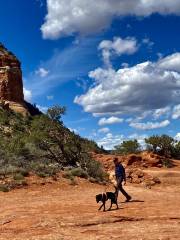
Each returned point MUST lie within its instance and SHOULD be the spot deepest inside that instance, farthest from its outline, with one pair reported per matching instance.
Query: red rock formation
(11, 86)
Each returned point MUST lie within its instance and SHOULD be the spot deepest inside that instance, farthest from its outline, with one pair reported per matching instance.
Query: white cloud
(171, 62)
(103, 130)
(118, 47)
(177, 137)
(161, 111)
(148, 42)
(27, 94)
(125, 65)
(63, 66)
(144, 87)
(176, 112)
(50, 97)
(111, 120)
(149, 125)
(85, 16)
(42, 72)
(73, 130)
(110, 140)
(139, 138)
(42, 108)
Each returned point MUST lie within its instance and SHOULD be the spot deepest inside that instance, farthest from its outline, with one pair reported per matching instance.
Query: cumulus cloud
(110, 140)
(171, 63)
(176, 112)
(139, 138)
(84, 16)
(149, 125)
(111, 120)
(118, 47)
(42, 72)
(177, 137)
(103, 130)
(42, 108)
(27, 94)
(161, 111)
(144, 87)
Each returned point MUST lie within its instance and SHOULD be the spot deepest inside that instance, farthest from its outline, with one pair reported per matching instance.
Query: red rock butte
(11, 85)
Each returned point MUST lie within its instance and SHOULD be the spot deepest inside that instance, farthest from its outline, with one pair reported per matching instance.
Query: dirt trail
(60, 211)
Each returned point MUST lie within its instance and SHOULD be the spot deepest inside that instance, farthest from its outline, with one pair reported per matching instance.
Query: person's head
(116, 161)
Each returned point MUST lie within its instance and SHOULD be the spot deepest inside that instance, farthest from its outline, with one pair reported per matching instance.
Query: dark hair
(115, 160)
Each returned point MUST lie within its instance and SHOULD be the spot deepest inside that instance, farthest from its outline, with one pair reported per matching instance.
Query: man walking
(120, 177)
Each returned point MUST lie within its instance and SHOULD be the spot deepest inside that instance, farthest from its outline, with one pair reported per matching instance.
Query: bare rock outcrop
(11, 85)
(135, 164)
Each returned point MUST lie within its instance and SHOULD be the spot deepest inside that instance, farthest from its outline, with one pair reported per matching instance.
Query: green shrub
(10, 170)
(95, 170)
(18, 184)
(79, 172)
(42, 174)
(44, 170)
(23, 172)
(4, 188)
(93, 180)
(73, 182)
(167, 163)
(18, 176)
(68, 175)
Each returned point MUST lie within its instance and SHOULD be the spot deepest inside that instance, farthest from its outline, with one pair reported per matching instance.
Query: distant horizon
(115, 65)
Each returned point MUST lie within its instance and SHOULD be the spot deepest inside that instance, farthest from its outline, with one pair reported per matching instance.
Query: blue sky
(114, 64)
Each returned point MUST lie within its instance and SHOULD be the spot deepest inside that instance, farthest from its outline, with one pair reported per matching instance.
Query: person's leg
(121, 189)
(128, 197)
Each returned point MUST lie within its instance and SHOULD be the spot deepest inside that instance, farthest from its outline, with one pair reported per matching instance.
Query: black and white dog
(103, 197)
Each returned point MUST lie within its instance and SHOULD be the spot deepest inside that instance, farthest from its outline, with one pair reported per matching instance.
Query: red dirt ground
(60, 211)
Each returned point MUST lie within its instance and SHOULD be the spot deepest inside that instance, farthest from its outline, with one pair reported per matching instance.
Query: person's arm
(124, 175)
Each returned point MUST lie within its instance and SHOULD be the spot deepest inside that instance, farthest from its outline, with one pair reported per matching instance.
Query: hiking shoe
(128, 199)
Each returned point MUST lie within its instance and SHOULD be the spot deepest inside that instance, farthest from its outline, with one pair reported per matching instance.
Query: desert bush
(95, 170)
(79, 172)
(18, 176)
(167, 163)
(43, 145)
(73, 182)
(126, 147)
(93, 180)
(68, 175)
(44, 169)
(24, 172)
(4, 188)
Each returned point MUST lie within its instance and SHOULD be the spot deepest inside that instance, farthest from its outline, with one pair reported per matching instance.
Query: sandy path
(61, 211)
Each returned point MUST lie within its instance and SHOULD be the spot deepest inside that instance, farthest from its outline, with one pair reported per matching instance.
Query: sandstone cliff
(11, 85)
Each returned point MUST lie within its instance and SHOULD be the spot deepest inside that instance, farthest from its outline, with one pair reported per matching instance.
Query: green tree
(130, 146)
(56, 112)
(161, 144)
(153, 143)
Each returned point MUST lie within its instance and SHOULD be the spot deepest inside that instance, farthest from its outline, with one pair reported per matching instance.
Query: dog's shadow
(135, 200)
(113, 209)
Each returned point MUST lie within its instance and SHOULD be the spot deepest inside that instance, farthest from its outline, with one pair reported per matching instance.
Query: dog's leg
(100, 207)
(104, 206)
(117, 205)
(110, 206)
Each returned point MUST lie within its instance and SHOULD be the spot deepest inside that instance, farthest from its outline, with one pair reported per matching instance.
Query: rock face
(11, 86)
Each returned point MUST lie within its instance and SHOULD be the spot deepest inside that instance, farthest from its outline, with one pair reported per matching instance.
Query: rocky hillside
(135, 164)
